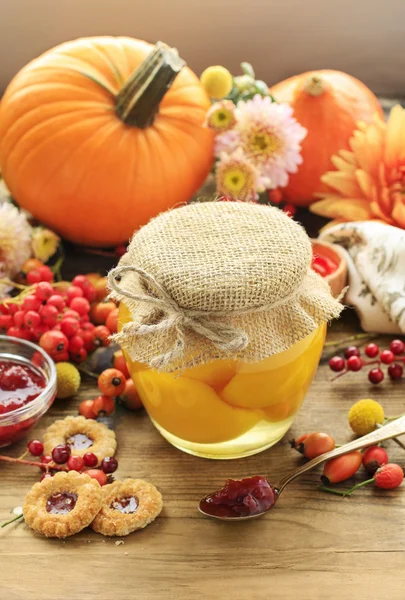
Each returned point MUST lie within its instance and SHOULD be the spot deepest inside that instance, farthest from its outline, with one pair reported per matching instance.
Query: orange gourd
(329, 104)
(98, 135)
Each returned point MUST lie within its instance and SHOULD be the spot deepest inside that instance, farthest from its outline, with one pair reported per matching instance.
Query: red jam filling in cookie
(126, 505)
(61, 503)
(79, 441)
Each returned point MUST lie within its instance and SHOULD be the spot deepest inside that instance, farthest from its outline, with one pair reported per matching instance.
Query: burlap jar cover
(217, 280)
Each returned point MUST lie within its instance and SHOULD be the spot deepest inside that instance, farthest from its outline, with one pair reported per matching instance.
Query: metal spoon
(386, 432)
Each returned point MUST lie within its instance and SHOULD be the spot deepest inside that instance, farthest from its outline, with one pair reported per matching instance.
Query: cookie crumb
(126, 553)
(119, 542)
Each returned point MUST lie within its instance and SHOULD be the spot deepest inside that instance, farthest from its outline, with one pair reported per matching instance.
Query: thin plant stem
(12, 520)
(352, 338)
(31, 463)
(348, 492)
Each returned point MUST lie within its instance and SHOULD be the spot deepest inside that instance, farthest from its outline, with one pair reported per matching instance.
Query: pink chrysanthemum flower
(238, 178)
(269, 136)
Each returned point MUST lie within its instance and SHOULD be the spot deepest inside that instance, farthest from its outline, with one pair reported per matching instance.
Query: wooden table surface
(314, 545)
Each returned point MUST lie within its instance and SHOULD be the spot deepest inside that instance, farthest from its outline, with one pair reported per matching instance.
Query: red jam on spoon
(61, 503)
(241, 498)
(19, 385)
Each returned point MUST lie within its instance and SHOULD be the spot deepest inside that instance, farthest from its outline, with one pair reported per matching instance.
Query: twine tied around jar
(228, 339)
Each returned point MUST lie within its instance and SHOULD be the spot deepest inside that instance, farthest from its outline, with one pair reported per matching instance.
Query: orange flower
(369, 181)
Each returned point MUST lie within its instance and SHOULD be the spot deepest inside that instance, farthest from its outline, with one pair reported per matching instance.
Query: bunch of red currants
(393, 357)
(59, 316)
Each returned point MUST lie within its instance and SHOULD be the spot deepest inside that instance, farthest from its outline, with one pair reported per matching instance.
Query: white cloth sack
(375, 254)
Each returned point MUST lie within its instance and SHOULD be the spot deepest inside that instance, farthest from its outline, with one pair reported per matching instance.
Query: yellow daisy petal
(349, 209)
(342, 165)
(345, 183)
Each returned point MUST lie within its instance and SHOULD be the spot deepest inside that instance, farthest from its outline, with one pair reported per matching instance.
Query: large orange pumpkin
(329, 104)
(99, 135)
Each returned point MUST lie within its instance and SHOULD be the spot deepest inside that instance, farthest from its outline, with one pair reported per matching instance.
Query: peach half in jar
(227, 400)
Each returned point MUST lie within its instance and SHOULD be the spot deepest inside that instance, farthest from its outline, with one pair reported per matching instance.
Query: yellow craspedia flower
(68, 380)
(217, 81)
(365, 415)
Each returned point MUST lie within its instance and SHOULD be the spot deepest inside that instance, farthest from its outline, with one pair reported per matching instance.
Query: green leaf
(247, 69)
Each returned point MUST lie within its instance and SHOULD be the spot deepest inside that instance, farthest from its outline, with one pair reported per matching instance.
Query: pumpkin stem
(314, 85)
(138, 100)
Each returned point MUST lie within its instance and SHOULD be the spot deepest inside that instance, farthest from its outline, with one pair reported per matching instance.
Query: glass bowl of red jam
(329, 261)
(27, 387)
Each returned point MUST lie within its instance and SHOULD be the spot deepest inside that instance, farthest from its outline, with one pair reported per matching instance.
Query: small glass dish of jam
(27, 387)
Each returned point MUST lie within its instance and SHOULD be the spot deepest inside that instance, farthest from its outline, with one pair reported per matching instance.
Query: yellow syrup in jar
(228, 408)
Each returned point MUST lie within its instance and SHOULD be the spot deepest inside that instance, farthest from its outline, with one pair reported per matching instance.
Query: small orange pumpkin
(98, 135)
(329, 104)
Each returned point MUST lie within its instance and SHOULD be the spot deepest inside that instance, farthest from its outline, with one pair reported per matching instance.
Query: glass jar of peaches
(222, 322)
(228, 408)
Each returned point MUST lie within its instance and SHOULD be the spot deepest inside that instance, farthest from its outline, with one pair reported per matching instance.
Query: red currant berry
(100, 476)
(69, 326)
(372, 350)
(395, 371)
(337, 363)
(44, 290)
(352, 351)
(35, 447)
(80, 305)
(45, 273)
(75, 463)
(19, 318)
(79, 356)
(354, 363)
(31, 303)
(60, 356)
(74, 292)
(32, 319)
(6, 321)
(53, 342)
(387, 357)
(109, 464)
(375, 376)
(90, 459)
(397, 347)
(38, 332)
(33, 277)
(49, 315)
(76, 343)
(61, 453)
(45, 475)
(71, 314)
(18, 332)
(101, 336)
(56, 301)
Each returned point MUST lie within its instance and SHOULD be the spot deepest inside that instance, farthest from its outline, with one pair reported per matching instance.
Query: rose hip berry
(90, 459)
(375, 376)
(316, 444)
(341, 468)
(86, 409)
(100, 476)
(354, 363)
(387, 357)
(397, 347)
(75, 463)
(372, 350)
(111, 382)
(352, 351)
(101, 336)
(109, 464)
(103, 406)
(54, 341)
(35, 447)
(61, 453)
(337, 364)
(389, 476)
(374, 458)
